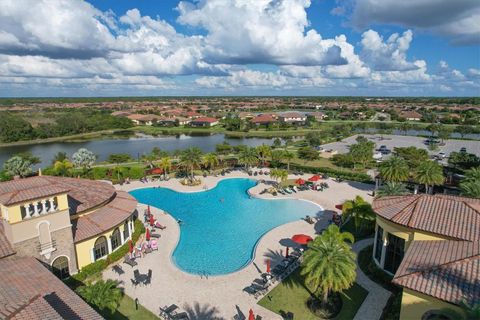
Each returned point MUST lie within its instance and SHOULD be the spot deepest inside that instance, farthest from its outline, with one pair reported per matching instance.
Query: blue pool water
(221, 226)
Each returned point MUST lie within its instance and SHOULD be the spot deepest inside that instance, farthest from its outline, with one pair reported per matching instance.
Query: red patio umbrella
(152, 220)
(268, 266)
(130, 249)
(314, 178)
(251, 316)
(300, 181)
(339, 207)
(286, 253)
(301, 239)
(147, 235)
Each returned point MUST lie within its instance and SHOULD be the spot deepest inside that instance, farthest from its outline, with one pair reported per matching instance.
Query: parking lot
(392, 141)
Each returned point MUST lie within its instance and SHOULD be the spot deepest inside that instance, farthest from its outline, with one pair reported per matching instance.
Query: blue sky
(240, 47)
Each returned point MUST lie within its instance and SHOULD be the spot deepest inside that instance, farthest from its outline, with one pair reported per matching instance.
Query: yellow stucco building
(66, 223)
(431, 244)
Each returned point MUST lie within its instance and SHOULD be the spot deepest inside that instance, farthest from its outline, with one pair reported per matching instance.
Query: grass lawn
(126, 310)
(291, 296)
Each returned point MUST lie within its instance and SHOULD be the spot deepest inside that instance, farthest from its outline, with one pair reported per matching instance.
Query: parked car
(463, 150)
(442, 155)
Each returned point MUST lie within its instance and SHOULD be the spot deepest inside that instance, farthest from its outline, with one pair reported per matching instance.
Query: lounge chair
(168, 310)
(134, 282)
(154, 245)
(148, 280)
(159, 225)
(129, 261)
(155, 235)
(180, 316)
(118, 269)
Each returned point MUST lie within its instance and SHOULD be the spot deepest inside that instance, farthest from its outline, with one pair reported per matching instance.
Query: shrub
(347, 175)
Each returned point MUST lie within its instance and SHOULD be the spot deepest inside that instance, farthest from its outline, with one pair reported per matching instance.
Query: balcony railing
(46, 247)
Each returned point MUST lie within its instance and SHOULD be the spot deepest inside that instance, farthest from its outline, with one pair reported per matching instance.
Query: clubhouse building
(65, 223)
(431, 245)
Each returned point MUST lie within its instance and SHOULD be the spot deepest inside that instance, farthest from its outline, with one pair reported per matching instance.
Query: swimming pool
(221, 226)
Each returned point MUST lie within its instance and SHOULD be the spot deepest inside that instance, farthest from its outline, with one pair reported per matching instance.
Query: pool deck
(221, 297)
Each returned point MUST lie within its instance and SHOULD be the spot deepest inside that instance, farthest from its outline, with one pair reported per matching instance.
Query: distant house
(120, 114)
(143, 119)
(204, 122)
(181, 121)
(293, 117)
(246, 115)
(167, 122)
(263, 119)
(411, 115)
(192, 114)
(318, 115)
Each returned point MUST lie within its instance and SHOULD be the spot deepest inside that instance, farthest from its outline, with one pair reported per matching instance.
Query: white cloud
(457, 19)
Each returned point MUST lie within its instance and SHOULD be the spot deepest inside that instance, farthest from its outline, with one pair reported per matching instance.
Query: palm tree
(394, 169)
(263, 152)
(102, 294)
(289, 156)
(248, 157)
(210, 160)
(62, 167)
(360, 210)
(429, 173)
(470, 186)
(329, 264)
(279, 174)
(165, 164)
(392, 189)
(333, 232)
(191, 159)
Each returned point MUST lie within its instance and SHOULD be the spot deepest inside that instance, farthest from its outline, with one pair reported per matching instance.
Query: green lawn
(291, 296)
(126, 310)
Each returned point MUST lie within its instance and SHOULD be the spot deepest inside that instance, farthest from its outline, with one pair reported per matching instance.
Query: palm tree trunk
(415, 190)
(325, 298)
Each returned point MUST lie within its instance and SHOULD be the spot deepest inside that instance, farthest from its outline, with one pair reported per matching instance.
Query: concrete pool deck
(221, 297)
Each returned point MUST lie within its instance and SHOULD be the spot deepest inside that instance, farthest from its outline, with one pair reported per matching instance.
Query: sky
(63, 48)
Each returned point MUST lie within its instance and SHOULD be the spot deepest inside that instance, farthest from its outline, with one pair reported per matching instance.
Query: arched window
(125, 230)
(116, 239)
(60, 267)
(101, 248)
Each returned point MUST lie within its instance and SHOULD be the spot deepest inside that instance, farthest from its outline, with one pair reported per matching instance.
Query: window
(394, 253)
(125, 230)
(116, 239)
(100, 248)
(60, 267)
(378, 244)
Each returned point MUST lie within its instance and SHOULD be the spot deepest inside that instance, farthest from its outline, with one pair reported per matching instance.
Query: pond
(135, 146)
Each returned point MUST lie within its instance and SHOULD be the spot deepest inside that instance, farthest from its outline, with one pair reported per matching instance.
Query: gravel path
(372, 307)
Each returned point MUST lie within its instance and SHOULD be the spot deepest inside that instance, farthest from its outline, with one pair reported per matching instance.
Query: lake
(135, 146)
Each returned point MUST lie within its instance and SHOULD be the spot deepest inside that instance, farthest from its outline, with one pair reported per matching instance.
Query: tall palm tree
(329, 264)
(360, 210)
(394, 169)
(248, 157)
(392, 189)
(429, 173)
(263, 152)
(279, 174)
(333, 232)
(288, 156)
(102, 294)
(165, 164)
(190, 159)
(210, 160)
(470, 186)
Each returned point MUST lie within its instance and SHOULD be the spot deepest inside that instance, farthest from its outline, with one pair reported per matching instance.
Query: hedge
(346, 175)
(100, 265)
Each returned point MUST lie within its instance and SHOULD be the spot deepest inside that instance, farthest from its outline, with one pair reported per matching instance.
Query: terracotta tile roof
(446, 270)
(6, 248)
(103, 219)
(20, 190)
(204, 119)
(450, 216)
(264, 118)
(30, 291)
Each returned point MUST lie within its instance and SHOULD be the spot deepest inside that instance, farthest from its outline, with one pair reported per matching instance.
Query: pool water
(221, 227)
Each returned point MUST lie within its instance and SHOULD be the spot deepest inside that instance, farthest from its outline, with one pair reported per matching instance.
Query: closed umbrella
(268, 266)
(301, 239)
(147, 236)
(148, 208)
(286, 253)
(251, 316)
(152, 220)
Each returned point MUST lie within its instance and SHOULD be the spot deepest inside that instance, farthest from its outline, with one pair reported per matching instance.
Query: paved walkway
(221, 297)
(372, 307)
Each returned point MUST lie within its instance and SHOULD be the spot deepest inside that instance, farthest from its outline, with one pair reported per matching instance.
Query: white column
(129, 230)
(51, 205)
(133, 226)
(122, 237)
(109, 244)
(92, 255)
(384, 249)
(44, 206)
(27, 211)
(35, 209)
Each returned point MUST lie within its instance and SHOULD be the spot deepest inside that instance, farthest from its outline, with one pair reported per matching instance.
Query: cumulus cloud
(260, 31)
(389, 55)
(457, 20)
